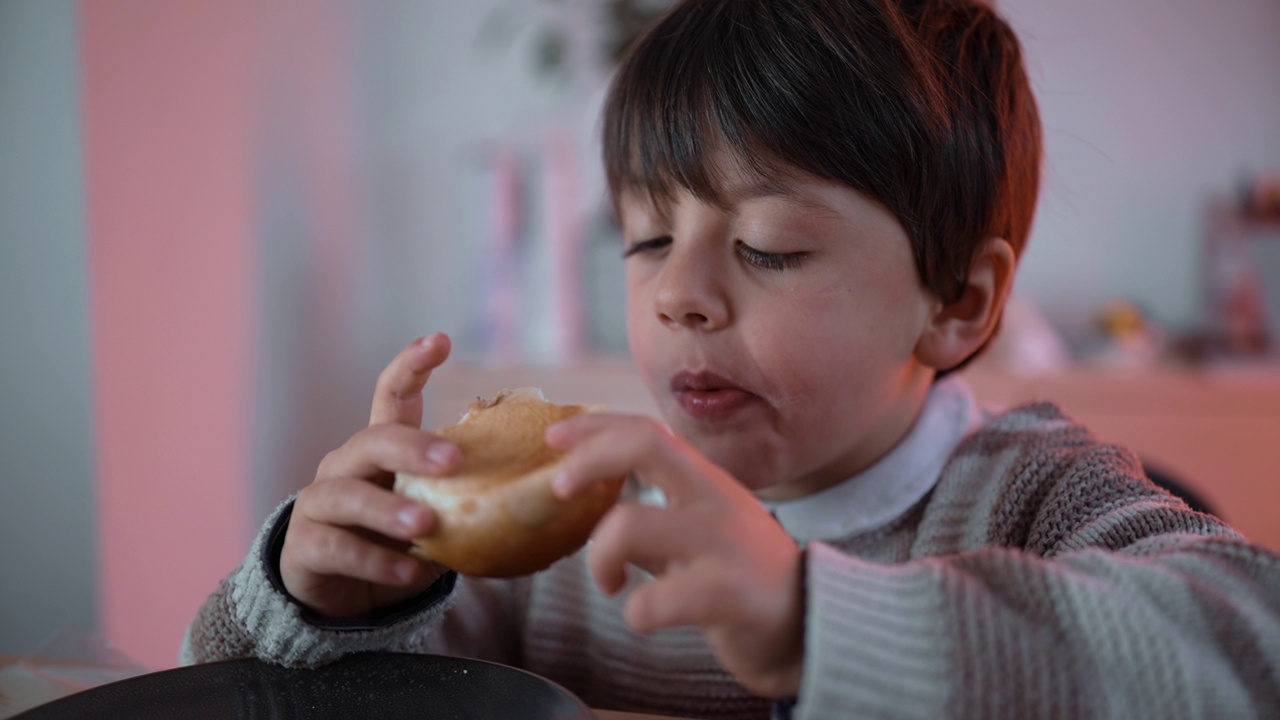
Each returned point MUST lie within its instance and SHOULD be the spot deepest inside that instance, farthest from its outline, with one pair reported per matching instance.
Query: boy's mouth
(707, 396)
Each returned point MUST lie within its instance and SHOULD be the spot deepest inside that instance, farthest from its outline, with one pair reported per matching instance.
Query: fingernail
(405, 570)
(426, 340)
(442, 455)
(560, 484)
(409, 517)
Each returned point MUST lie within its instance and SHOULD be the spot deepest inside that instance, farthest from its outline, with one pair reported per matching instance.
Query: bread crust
(497, 514)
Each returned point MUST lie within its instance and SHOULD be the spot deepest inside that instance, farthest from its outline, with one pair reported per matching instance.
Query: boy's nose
(691, 320)
(690, 294)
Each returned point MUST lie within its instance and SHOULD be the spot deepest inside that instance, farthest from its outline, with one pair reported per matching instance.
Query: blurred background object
(220, 218)
(1127, 335)
(1242, 271)
(1026, 343)
(1261, 198)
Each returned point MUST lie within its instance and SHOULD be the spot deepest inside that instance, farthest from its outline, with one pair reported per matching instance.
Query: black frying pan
(382, 686)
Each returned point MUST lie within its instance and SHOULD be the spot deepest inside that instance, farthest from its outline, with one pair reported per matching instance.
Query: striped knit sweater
(1044, 577)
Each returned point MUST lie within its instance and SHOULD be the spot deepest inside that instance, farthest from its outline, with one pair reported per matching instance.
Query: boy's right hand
(345, 552)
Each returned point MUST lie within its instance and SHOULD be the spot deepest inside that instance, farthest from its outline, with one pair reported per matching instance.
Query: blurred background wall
(219, 219)
(48, 571)
(1150, 109)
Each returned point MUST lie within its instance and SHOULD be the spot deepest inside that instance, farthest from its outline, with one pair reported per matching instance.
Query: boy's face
(777, 333)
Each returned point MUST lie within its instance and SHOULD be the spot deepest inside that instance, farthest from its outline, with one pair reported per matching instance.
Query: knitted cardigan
(1043, 577)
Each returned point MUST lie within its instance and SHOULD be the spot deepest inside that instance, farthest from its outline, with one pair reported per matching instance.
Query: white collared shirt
(889, 488)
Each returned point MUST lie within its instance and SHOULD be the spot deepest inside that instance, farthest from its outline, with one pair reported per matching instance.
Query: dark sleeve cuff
(783, 708)
(383, 617)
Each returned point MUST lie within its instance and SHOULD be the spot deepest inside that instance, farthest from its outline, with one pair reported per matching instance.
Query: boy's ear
(958, 329)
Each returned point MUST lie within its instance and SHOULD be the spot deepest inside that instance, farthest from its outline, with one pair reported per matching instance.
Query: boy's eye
(646, 246)
(770, 261)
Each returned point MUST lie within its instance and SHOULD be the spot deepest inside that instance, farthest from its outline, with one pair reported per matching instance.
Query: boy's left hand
(720, 561)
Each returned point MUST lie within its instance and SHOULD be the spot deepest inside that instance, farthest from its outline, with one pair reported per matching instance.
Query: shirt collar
(896, 482)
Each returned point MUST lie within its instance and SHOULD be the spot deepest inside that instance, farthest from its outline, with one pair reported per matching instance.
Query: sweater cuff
(281, 627)
(874, 641)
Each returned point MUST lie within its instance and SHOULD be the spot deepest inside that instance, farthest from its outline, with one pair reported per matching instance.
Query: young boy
(823, 203)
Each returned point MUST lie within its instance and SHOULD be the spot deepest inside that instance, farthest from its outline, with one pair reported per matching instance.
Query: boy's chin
(755, 474)
(756, 471)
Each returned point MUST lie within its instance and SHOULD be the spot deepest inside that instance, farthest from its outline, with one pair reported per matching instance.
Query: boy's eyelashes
(758, 258)
(767, 260)
(646, 246)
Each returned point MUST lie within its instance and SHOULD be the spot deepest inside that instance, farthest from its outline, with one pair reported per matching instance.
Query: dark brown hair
(921, 105)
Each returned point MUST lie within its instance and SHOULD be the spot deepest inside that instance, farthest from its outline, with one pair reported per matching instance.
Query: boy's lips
(707, 396)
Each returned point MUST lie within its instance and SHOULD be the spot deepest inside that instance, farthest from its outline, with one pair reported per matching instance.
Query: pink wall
(166, 95)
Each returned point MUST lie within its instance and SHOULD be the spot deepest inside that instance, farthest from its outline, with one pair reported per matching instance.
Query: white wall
(1150, 107)
(437, 84)
(47, 561)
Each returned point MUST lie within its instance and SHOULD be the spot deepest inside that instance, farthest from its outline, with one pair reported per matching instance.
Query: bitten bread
(497, 516)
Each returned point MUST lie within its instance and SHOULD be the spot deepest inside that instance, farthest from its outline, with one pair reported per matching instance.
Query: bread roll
(497, 514)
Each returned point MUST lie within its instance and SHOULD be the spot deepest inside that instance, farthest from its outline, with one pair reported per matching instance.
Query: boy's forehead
(734, 185)
(719, 169)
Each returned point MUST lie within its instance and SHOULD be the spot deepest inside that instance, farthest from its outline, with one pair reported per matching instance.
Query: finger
(650, 538)
(381, 449)
(397, 396)
(686, 596)
(334, 551)
(606, 445)
(355, 503)
(567, 433)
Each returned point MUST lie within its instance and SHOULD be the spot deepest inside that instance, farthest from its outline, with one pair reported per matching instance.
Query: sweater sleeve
(251, 615)
(1182, 627)
(1050, 579)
